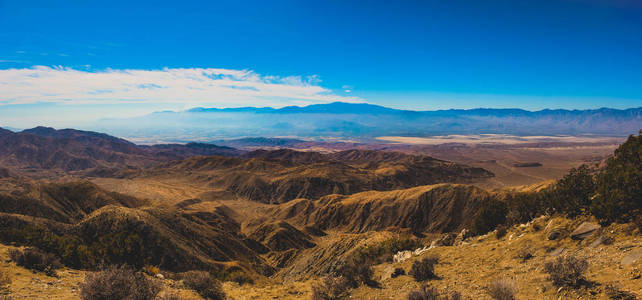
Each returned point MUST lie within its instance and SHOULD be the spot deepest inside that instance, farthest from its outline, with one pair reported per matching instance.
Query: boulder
(585, 230)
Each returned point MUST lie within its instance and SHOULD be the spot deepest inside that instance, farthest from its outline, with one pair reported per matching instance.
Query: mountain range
(366, 121)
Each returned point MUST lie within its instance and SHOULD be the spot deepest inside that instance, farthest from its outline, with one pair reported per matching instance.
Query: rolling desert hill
(275, 223)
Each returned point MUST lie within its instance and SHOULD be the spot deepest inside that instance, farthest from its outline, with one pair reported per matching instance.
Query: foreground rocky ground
(613, 253)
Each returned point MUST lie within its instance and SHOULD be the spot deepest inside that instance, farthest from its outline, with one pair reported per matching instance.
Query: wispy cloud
(195, 86)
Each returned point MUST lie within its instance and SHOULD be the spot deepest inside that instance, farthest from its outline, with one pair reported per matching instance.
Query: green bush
(572, 194)
(491, 215)
(618, 195)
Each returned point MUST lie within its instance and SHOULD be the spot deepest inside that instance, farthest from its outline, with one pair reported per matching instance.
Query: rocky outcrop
(585, 230)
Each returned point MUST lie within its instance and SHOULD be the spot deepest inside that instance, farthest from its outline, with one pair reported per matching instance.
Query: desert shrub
(502, 289)
(618, 194)
(356, 273)
(567, 271)
(331, 288)
(424, 269)
(491, 215)
(204, 284)
(239, 276)
(426, 293)
(118, 282)
(501, 231)
(384, 251)
(36, 259)
(614, 293)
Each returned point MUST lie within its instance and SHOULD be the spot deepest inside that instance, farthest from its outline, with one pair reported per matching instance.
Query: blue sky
(530, 54)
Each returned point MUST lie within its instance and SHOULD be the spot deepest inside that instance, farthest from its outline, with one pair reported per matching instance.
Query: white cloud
(191, 86)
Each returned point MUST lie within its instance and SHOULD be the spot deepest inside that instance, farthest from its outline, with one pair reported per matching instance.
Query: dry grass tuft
(502, 289)
(567, 271)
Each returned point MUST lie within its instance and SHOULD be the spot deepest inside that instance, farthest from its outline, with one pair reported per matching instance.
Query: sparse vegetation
(331, 288)
(5, 280)
(356, 273)
(502, 289)
(500, 231)
(428, 293)
(637, 222)
(204, 284)
(384, 251)
(525, 253)
(424, 269)
(567, 271)
(168, 296)
(615, 293)
(36, 259)
(618, 195)
(491, 215)
(118, 282)
(238, 276)
(424, 293)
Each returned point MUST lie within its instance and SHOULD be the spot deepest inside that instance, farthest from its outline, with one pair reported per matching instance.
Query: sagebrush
(567, 271)
(119, 282)
(424, 269)
(36, 259)
(204, 284)
(331, 288)
(502, 289)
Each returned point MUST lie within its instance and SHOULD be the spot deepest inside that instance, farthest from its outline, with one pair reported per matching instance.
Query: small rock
(585, 230)
(632, 257)
(160, 276)
(557, 251)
